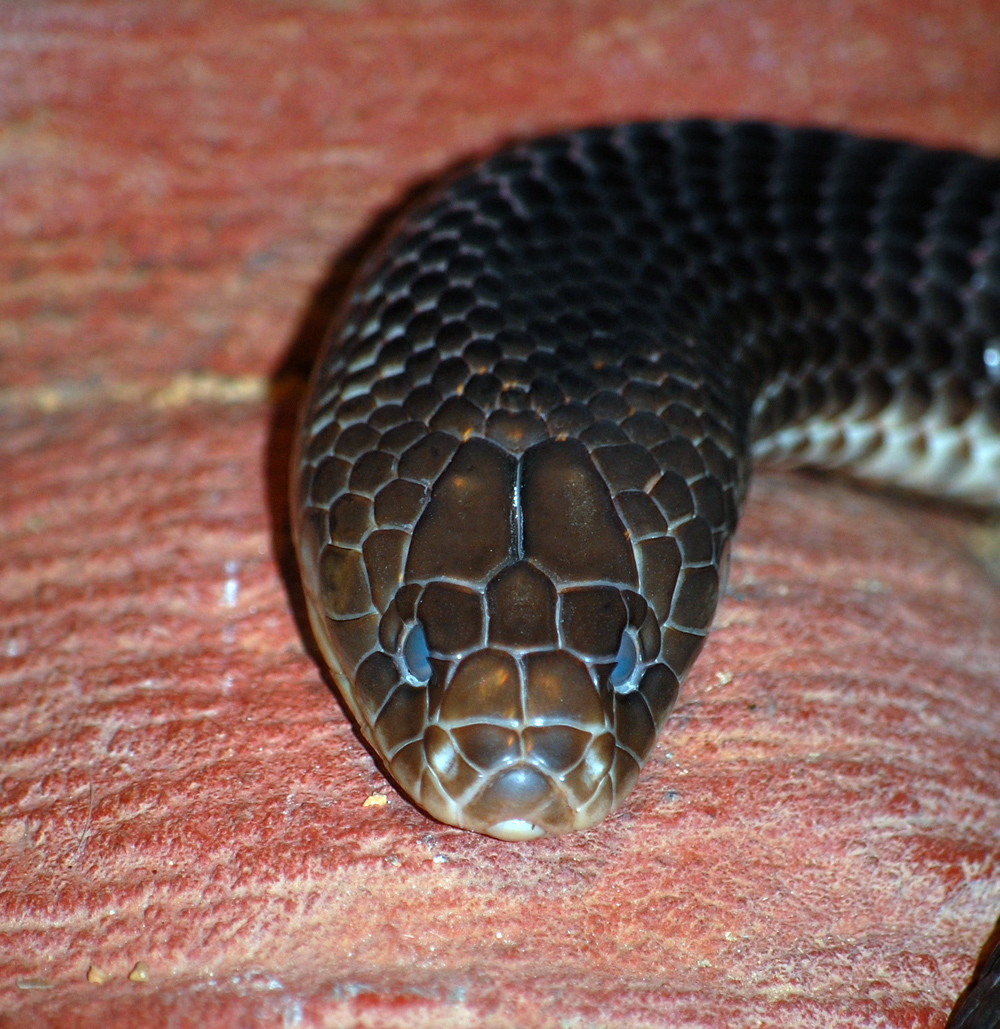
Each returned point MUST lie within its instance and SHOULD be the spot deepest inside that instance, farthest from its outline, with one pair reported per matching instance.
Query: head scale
(507, 644)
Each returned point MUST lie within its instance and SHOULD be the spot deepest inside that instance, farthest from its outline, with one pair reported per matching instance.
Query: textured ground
(183, 190)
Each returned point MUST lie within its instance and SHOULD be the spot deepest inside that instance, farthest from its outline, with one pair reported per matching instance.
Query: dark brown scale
(357, 637)
(427, 457)
(485, 746)
(530, 435)
(626, 467)
(344, 583)
(399, 503)
(592, 619)
(476, 488)
(459, 417)
(453, 616)
(570, 527)
(484, 685)
(384, 552)
(516, 431)
(522, 608)
(640, 515)
(331, 477)
(350, 519)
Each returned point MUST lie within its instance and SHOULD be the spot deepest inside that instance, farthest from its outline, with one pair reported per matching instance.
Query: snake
(528, 436)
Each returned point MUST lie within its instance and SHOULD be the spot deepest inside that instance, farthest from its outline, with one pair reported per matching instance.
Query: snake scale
(526, 443)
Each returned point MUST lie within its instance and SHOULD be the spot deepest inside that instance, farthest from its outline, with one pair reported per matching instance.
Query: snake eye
(623, 675)
(416, 655)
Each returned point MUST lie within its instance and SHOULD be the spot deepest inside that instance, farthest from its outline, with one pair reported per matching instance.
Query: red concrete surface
(184, 189)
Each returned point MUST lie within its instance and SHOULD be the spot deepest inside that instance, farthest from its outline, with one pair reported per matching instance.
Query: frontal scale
(526, 443)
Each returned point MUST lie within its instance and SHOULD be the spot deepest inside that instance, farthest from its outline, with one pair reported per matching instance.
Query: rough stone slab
(815, 839)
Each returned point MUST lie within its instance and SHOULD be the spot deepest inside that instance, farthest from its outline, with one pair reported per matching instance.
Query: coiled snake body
(526, 444)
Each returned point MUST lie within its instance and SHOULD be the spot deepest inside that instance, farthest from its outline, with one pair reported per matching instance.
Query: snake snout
(521, 746)
(540, 781)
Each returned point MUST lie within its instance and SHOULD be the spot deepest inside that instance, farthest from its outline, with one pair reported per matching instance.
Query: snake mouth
(520, 803)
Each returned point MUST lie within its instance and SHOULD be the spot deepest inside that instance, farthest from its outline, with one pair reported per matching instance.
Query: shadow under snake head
(527, 649)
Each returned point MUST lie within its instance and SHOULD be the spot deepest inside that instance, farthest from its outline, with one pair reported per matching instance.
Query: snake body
(527, 440)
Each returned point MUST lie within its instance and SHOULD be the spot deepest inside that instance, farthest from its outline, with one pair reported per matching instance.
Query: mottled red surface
(183, 189)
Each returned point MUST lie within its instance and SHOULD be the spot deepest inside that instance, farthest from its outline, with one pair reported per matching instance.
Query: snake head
(508, 647)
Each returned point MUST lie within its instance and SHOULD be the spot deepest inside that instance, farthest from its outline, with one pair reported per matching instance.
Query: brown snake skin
(526, 443)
